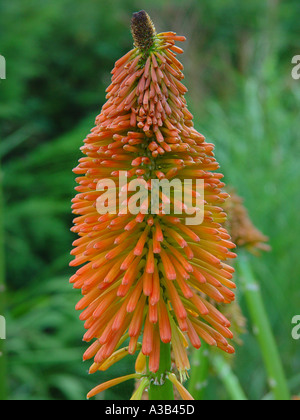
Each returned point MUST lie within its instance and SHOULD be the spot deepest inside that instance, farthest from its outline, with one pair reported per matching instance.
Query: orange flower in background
(147, 278)
(242, 230)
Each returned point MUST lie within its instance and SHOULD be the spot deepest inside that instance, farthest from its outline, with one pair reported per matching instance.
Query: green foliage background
(59, 55)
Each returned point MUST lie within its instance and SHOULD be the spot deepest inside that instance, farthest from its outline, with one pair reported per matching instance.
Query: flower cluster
(147, 279)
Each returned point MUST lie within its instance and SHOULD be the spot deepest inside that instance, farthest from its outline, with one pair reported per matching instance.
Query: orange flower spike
(155, 293)
(150, 264)
(148, 337)
(135, 297)
(147, 284)
(164, 323)
(142, 273)
(154, 357)
(138, 318)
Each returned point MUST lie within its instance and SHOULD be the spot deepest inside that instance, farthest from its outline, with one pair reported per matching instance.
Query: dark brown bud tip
(143, 30)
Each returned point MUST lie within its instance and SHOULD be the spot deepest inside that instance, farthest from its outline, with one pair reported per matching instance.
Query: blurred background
(59, 56)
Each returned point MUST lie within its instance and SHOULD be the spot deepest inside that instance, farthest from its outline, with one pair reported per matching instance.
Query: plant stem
(229, 379)
(160, 387)
(2, 294)
(262, 330)
(199, 373)
(294, 385)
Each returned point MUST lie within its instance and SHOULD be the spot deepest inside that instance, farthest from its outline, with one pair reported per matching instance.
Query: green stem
(199, 372)
(160, 387)
(229, 379)
(294, 385)
(2, 297)
(263, 331)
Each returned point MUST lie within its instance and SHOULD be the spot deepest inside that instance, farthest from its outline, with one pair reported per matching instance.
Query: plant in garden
(148, 280)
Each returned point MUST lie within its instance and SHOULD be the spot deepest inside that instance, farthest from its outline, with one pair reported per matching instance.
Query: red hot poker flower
(149, 277)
